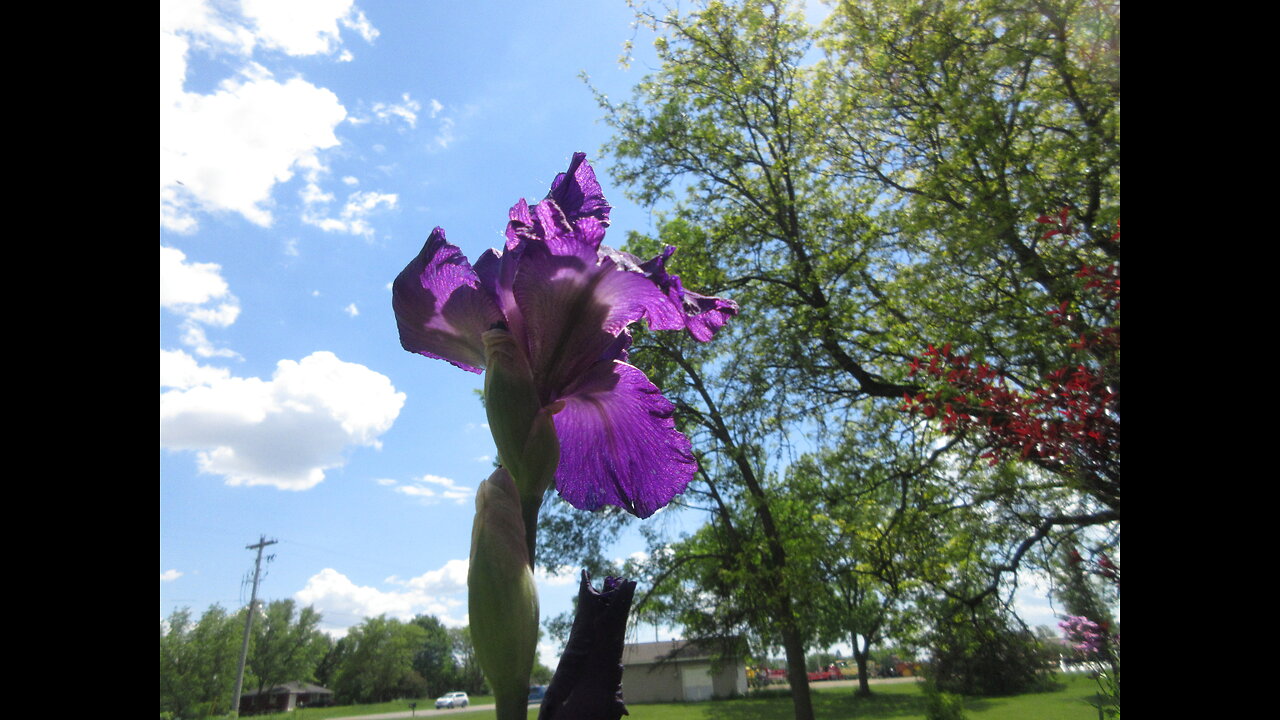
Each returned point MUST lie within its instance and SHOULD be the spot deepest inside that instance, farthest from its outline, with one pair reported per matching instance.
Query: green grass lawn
(1072, 700)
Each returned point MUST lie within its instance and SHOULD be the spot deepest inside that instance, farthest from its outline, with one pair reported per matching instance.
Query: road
(417, 713)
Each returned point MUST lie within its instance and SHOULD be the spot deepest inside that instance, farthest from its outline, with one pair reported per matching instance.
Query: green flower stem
(501, 596)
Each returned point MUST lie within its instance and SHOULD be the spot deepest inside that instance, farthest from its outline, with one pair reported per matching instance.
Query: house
(682, 671)
(283, 698)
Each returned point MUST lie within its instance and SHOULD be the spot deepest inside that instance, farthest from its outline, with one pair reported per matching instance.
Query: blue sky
(307, 148)
(306, 151)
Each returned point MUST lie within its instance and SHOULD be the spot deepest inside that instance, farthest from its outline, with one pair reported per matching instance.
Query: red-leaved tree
(1067, 424)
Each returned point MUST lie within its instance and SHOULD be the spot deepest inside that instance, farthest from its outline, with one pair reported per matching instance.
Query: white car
(452, 700)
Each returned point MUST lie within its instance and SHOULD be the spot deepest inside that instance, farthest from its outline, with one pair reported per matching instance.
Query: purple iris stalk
(553, 308)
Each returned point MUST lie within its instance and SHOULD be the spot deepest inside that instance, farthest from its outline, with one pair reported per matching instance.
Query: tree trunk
(861, 655)
(797, 673)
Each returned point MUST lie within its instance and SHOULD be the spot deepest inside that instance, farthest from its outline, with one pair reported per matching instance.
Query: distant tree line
(379, 659)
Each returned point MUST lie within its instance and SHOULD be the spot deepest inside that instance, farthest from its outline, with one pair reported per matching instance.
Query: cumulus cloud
(448, 580)
(180, 370)
(226, 150)
(284, 432)
(305, 27)
(343, 603)
(354, 216)
(170, 575)
(351, 310)
(198, 294)
(433, 489)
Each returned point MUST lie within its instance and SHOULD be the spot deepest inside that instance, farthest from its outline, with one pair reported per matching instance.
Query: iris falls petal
(619, 444)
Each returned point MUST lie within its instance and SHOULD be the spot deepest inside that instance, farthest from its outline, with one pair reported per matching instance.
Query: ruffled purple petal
(619, 444)
(578, 193)
(575, 306)
(441, 306)
(701, 315)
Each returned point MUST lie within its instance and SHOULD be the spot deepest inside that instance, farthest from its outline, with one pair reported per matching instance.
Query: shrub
(939, 705)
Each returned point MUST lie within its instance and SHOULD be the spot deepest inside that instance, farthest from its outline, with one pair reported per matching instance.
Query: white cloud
(170, 575)
(343, 603)
(285, 432)
(180, 370)
(183, 284)
(406, 110)
(433, 489)
(200, 296)
(305, 27)
(448, 580)
(351, 310)
(353, 218)
(444, 135)
(194, 337)
(564, 575)
(226, 150)
(356, 20)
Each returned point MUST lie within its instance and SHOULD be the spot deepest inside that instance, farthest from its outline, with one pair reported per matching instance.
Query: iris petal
(701, 315)
(578, 193)
(441, 307)
(619, 444)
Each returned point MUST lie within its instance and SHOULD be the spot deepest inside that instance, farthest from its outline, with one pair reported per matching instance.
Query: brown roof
(290, 688)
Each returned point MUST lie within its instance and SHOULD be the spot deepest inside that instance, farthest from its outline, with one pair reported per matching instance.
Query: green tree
(434, 660)
(862, 199)
(981, 650)
(884, 197)
(198, 662)
(287, 645)
(377, 661)
(470, 675)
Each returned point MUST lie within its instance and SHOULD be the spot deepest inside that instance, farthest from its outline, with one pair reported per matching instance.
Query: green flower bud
(522, 429)
(502, 598)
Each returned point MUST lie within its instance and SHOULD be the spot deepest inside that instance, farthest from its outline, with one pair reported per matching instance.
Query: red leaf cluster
(1070, 422)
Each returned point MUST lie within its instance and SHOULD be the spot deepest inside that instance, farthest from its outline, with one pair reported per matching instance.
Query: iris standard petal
(578, 193)
(619, 444)
(575, 306)
(441, 307)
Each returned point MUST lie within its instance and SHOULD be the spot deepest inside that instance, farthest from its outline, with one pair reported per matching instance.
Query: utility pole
(248, 621)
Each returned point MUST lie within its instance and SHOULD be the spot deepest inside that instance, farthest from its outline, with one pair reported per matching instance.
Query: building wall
(731, 681)
(682, 682)
(652, 683)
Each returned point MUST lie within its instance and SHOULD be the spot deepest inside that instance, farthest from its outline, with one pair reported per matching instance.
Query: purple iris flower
(567, 301)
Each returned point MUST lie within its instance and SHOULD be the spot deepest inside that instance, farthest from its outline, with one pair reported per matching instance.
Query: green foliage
(470, 677)
(377, 661)
(434, 660)
(863, 190)
(939, 705)
(198, 662)
(979, 650)
(287, 645)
